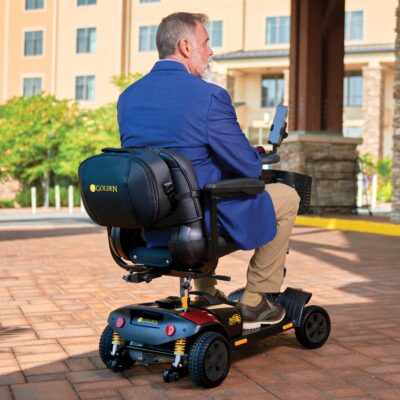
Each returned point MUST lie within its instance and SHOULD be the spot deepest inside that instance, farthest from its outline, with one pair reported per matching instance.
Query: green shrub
(383, 168)
(7, 203)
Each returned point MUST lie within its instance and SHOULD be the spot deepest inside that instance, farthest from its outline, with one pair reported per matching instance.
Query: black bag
(128, 187)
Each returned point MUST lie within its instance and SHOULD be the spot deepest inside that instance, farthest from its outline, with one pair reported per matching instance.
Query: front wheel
(121, 361)
(209, 359)
(315, 327)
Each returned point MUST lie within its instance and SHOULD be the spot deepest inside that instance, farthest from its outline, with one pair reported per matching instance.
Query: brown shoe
(265, 313)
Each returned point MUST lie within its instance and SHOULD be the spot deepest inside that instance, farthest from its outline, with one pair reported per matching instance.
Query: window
(214, 29)
(277, 30)
(33, 45)
(147, 38)
(32, 86)
(86, 2)
(272, 88)
(353, 89)
(34, 4)
(352, 131)
(86, 40)
(353, 25)
(85, 87)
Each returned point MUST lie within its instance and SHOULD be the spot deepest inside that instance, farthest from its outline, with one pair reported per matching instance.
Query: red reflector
(120, 322)
(170, 330)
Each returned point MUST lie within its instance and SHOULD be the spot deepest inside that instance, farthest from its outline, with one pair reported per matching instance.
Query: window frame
(31, 77)
(276, 77)
(86, 89)
(347, 26)
(32, 30)
(86, 3)
(87, 41)
(277, 30)
(34, 8)
(210, 29)
(347, 103)
(152, 29)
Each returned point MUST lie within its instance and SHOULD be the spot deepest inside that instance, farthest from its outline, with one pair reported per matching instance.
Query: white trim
(5, 47)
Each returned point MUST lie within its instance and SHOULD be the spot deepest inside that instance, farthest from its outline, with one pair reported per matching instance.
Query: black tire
(118, 363)
(209, 359)
(315, 327)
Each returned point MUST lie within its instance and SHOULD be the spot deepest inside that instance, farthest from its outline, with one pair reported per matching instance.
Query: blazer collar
(163, 65)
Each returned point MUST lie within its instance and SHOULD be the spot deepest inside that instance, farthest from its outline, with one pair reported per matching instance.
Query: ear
(184, 47)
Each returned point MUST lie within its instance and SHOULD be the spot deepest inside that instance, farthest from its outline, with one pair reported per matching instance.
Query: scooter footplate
(293, 301)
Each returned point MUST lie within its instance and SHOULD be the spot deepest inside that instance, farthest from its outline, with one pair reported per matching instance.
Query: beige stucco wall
(379, 20)
(145, 14)
(20, 66)
(256, 14)
(104, 63)
(3, 49)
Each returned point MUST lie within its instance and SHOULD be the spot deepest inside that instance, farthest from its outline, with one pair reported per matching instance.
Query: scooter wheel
(315, 327)
(209, 359)
(117, 363)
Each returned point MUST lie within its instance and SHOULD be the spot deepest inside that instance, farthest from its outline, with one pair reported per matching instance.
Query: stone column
(332, 162)
(373, 111)
(395, 216)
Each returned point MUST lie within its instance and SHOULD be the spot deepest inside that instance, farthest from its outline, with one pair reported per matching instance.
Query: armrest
(239, 187)
(270, 158)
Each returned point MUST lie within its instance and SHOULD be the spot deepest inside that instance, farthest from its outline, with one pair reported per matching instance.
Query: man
(172, 107)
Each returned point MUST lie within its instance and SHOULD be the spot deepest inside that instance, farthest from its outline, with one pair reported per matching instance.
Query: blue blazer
(171, 108)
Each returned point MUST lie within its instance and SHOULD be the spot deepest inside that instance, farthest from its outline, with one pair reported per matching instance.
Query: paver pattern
(59, 283)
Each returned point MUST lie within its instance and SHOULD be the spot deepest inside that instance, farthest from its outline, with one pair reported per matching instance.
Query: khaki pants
(265, 270)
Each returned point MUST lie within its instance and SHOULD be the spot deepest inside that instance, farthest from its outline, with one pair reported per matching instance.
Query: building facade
(72, 48)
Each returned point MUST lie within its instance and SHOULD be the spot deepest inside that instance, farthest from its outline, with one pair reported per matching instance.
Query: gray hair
(175, 27)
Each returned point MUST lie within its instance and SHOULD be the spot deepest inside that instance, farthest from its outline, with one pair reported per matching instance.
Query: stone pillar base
(331, 160)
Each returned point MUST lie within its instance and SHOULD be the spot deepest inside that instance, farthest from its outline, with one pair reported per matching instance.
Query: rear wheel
(315, 327)
(209, 359)
(121, 361)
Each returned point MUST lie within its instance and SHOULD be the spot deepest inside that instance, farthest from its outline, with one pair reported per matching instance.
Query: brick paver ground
(58, 284)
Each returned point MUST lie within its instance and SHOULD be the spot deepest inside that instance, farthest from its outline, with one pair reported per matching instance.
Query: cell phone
(278, 128)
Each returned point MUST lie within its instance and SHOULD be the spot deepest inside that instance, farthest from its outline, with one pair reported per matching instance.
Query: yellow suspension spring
(180, 345)
(116, 339)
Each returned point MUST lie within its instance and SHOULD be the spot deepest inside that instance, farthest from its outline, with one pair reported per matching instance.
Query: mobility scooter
(140, 191)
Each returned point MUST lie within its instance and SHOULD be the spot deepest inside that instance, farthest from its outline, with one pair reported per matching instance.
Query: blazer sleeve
(226, 140)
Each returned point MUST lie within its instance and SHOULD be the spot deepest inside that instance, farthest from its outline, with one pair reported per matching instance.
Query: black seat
(191, 251)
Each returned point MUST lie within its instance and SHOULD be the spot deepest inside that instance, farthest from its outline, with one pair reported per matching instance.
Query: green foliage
(124, 80)
(42, 136)
(383, 168)
(31, 130)
(94, 130)
(7, 203)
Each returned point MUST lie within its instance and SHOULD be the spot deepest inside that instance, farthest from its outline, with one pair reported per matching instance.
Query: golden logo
(235, 319)
(103, 188)
(146, 321)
